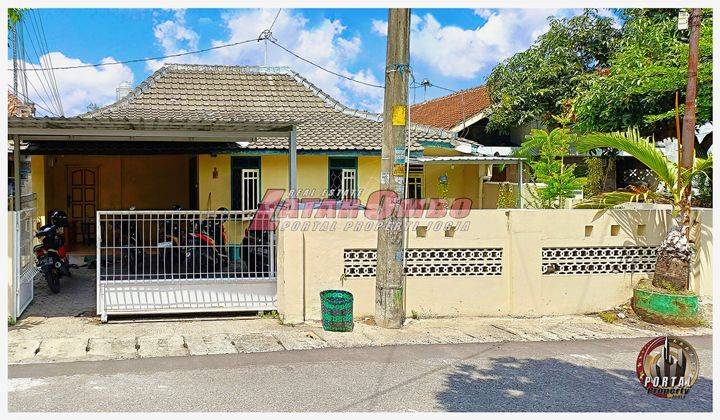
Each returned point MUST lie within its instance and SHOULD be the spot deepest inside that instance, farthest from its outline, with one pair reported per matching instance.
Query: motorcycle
(50, 254)
(198, 246)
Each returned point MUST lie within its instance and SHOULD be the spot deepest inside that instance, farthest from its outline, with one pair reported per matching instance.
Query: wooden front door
(82, 203)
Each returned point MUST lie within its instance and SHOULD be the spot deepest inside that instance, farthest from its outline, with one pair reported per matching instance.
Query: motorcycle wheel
(53, 280)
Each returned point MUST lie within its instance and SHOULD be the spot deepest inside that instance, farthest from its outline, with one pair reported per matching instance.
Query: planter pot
(666, 308)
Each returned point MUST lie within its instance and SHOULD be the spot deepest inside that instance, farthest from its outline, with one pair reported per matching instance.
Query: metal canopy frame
(156, 130)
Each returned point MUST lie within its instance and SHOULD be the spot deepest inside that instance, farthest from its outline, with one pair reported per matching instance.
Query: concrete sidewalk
(37, 339)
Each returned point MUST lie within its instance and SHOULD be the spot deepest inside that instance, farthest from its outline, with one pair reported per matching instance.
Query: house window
(342, 178)
(245, 184)
(415, 181)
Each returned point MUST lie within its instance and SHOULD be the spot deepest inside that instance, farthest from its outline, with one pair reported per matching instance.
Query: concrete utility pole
(688, 132)
(17, 205)
(389, 283)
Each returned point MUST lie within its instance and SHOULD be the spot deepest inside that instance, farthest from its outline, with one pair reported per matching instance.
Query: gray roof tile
(232, 93)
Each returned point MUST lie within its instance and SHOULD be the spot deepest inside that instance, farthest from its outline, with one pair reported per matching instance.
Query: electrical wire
(140, 60)
(42, 78)
(323, 68)
(274, 20)
(48, 57)
(28, 99)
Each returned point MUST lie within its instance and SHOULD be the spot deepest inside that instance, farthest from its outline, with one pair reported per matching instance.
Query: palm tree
(672, 268)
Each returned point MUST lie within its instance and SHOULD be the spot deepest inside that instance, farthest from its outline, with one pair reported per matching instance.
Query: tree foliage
(648, 67)
(545, 153)
(14, 16)
(536, 83)
(673, 177)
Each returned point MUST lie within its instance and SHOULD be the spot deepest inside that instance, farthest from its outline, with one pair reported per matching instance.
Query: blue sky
(454, 48)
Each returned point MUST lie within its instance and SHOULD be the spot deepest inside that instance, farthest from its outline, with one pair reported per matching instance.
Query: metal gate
(184, 261)
(24, 269)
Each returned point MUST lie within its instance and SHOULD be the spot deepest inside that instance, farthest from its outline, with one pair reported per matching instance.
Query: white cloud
(464, 53)
(379, 27)
(77, 87)
(172, 33)
(323, 43)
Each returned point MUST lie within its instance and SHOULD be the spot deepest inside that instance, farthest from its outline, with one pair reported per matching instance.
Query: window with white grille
(415, 182)
(342, 178)
(349, 184)
(430, 262)
(598, 260)
(245, 184)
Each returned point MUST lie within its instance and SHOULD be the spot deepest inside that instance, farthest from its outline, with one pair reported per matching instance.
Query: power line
(28, 99)
(323, 68)
(43, 39)
(140, 60)
(275, 20)
(49, 84)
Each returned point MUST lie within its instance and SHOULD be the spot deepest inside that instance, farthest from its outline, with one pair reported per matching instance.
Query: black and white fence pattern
(430, 262)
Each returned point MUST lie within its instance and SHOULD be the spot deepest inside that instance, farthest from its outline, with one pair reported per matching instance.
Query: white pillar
(292, 163)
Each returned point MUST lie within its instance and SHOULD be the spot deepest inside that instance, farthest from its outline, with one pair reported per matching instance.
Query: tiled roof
(224, 93)
(451, 110)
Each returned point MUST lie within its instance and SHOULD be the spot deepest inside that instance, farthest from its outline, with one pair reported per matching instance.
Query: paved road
(592, 375)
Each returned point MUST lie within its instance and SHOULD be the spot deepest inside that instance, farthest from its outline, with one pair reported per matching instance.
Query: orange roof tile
(451, 110)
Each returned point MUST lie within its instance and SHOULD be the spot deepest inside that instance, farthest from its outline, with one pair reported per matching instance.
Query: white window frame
(349, 184)
(249, 178)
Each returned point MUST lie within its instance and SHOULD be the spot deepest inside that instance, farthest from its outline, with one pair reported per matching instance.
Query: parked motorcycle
(198, 247)
(50, 254)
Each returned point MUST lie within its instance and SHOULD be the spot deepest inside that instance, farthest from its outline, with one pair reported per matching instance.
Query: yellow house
(150, 150)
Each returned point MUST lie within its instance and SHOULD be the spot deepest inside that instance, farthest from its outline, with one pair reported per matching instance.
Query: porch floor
(77, 296)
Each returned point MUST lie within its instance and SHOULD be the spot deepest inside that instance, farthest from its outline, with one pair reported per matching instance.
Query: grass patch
(609, 316)
(666, 287)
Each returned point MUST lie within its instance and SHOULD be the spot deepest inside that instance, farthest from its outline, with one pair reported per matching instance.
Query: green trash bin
(337, 310)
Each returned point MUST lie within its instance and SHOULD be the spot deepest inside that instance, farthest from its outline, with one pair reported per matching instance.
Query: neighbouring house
(465, 113)
(19, 109)
(149, 150)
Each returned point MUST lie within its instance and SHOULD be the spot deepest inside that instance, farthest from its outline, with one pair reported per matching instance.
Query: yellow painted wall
(147, 182)
(368, 176)
(214, 192)
(464, 180)
(37, 175)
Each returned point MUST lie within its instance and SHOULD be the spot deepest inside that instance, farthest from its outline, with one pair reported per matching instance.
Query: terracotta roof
(18, 108)
(451, 110)
(226, 93)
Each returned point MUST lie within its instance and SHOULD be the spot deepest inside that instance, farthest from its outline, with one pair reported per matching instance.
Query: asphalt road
(594, 375)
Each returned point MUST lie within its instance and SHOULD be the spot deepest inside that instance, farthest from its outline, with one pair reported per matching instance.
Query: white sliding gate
(24, 269)
(184, 261)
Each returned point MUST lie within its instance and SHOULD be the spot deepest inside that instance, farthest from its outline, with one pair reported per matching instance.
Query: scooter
(50, 254)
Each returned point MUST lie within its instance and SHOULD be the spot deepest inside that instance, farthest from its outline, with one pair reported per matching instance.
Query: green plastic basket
(337, 310)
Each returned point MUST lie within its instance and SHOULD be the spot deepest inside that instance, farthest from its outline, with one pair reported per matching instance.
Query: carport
(108, 136)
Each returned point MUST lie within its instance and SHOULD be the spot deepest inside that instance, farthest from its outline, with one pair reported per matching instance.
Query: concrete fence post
(290, 275)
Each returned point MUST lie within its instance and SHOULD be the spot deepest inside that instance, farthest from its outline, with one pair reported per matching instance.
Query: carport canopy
(142, 131)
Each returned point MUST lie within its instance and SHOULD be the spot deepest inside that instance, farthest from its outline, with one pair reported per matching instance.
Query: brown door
(82, 203)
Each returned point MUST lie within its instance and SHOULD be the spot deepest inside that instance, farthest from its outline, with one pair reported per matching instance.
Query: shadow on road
(512, 384)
